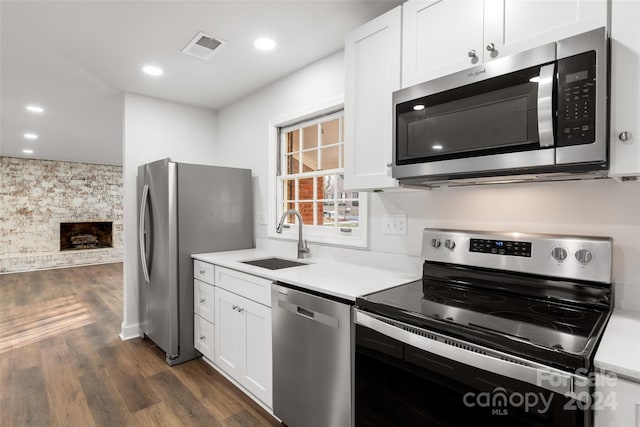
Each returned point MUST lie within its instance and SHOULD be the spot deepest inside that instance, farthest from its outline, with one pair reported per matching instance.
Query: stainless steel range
(501, 330)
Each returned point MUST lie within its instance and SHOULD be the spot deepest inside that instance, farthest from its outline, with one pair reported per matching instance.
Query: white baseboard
(128, 332)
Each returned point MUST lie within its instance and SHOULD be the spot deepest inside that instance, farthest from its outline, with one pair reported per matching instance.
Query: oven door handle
(545, 105)
(504, 364)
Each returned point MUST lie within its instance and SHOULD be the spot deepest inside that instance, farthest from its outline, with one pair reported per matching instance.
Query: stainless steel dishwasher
(312, 358)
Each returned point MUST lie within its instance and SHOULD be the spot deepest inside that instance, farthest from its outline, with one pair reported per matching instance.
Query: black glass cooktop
(536, 328)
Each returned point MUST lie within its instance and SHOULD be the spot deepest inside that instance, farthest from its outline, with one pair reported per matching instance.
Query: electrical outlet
(262, 218)
(394, 224)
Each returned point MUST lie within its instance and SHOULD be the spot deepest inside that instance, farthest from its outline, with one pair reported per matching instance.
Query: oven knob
(435, 242)
(558, 253)
(449, 244)
(584, 256)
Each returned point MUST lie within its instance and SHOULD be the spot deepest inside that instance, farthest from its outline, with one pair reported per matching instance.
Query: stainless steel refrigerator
(184, 209)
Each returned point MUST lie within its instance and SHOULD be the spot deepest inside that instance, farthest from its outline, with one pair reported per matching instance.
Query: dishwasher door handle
(306, 313)
(314, 316)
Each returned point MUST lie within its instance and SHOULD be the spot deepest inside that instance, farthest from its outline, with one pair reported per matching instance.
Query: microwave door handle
(545, 105)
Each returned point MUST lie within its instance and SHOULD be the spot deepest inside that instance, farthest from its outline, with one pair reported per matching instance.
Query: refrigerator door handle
(143, 251)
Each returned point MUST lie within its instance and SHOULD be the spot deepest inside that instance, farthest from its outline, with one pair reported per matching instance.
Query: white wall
(153, 130)
(242, 138)
(604, 207)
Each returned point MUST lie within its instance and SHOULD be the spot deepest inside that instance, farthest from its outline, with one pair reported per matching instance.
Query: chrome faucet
(302, 245)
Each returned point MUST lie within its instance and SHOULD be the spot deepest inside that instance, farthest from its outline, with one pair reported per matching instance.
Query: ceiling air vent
(203, 46)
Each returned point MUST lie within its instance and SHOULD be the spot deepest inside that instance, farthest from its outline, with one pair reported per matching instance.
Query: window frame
(331, 235)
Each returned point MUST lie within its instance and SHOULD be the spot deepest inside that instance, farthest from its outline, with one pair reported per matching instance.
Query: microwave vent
(203, 46)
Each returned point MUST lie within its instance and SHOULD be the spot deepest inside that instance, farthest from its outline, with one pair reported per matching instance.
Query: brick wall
(305, 192)
(37, 195)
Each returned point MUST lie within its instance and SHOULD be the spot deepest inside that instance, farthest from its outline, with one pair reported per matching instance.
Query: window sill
(353, 241)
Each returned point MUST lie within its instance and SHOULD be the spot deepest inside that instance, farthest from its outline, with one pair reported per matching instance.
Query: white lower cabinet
(203, 338)
(617, 404)
(243, 342)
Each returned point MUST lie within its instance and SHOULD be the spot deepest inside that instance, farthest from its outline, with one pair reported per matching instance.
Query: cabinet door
(257, 374)
(625, 88)
(512, 26)
(372, 61)
(438, 38)
(203, 336)
(228, 349)
(203, 301)
(620, 403)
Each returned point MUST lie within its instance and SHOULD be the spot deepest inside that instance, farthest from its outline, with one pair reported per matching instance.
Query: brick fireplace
(44, 203)
(86, 235)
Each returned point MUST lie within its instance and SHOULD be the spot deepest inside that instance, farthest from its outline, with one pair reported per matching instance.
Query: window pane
(305, 189)
(310, 137)
(291, 218)
(324, 213)
(293, 164)
(289, 189)
(348, 214)
(330, 157)
(306, 210)
(310, 161)
(330, 131)
(340, 190)
(326, 187)
(293, 141)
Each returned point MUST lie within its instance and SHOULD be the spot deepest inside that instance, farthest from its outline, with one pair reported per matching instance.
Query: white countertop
(339, 279)
(619, 350)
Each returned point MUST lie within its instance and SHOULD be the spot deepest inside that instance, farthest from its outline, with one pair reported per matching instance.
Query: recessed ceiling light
(35, 108)
(418, 107)
(152, 70)
(27, 151)
(437, 146)
(264, 43)
(30, 136)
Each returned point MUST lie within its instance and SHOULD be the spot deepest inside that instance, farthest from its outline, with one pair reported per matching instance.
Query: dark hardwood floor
(63, 364)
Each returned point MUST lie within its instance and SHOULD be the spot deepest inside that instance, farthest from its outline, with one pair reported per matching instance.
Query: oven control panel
(571, 257)
(500, 247)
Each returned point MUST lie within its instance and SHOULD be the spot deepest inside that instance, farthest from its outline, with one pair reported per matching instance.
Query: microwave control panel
(577, 99)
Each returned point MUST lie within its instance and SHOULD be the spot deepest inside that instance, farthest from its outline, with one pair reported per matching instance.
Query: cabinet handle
(203, 300)
(389, 165)
(472, 53)
(624, 136)
(202, 271)
(491, 47)
(203, 337)
(240, 309)
(234, 307)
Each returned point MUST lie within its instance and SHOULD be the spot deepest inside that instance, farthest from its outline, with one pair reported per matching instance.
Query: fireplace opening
(85, 235)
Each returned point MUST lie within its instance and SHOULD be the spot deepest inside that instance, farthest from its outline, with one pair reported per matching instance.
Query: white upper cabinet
(445, 36)
(372, 60)
(440, 37)
(625, 88)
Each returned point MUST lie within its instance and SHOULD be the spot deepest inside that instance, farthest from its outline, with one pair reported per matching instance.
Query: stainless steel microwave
(536, 115)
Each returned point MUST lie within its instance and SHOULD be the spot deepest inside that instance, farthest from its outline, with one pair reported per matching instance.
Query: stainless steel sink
(273, 263)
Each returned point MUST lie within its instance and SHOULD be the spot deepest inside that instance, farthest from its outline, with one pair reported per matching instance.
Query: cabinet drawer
(203, 271)
(246, 285)
(203, 301)
(203, 337)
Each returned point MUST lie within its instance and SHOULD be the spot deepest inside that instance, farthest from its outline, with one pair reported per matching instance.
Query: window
(310, 179)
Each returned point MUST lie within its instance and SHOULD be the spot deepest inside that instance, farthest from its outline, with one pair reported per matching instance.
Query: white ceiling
(76, 58)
